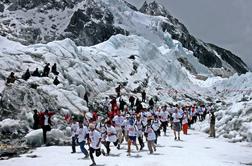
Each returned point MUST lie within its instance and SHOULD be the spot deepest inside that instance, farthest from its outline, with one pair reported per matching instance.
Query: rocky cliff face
(208, 54)
(89, 22)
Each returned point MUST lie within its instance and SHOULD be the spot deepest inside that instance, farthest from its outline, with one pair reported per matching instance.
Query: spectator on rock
(36, 73)
(56, 81)
(11, 78)
(86, 97)
(45, 122)
(118, 91)
(54, 69)
(46, 70)
(36, 120)
(26, 75)
(143, 96)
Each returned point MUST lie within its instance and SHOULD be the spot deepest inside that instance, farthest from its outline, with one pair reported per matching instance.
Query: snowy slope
(93, 21)
(195, 150)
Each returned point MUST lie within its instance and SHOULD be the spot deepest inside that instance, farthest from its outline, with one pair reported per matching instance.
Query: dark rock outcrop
(1, 8)
(85, 31)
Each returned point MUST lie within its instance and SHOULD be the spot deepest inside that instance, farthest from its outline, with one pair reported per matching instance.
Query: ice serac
(208, 54)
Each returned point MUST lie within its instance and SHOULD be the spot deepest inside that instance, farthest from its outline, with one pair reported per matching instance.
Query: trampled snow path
(195, 149)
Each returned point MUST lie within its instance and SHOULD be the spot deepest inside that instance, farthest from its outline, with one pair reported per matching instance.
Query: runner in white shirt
(164, 118)
(94, 143)
(132, 134)
(156, 127)
(176, 123)
(118, 122)
(151, 136)
(140, 128)
(82, 133)
(111, 136)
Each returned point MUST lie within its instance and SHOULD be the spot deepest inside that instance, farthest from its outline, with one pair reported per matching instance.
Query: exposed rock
(84, 31)
(1, 8)
(203, 51)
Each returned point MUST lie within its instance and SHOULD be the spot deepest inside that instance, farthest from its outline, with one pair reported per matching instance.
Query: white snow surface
(195, 149)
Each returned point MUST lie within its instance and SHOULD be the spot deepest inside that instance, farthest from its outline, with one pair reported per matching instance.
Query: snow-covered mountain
(90, 22)
(98, 44)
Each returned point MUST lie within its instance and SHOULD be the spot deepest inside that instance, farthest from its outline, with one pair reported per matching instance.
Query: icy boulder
(54, 137)
(9, 125)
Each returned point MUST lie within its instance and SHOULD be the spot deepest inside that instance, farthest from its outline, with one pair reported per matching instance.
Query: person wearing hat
(94, 142)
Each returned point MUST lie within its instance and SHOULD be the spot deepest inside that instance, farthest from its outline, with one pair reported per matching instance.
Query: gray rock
(203, 51)
(1, 8)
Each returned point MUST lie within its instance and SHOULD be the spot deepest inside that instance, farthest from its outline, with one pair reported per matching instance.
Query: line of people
(36, 73)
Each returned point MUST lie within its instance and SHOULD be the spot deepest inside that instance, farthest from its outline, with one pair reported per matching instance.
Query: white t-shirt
(118, 120)
(155, 125)
(74, 128)
(95, 137)
(132, 130)
(185, 119)
(139, 127)
(82, 133)
(46, 120)
(164, 116)
(111, 134)
(176, 117)
(150, 133)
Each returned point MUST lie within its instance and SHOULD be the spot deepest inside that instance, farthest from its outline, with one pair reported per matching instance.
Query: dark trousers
(164, 126)
(82, 148)
(107, 145)
(73, 144)
(91, 152)
(157, 133)
(45, 129)
(140, 140)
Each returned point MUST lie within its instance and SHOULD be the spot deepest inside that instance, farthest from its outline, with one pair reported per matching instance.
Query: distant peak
(154, 8)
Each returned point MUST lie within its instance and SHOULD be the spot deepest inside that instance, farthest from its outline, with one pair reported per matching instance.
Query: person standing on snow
(140, 128)
(94, 143)
(176, 123)
(156, 127)
(150, 136)
(164, 114)
(212, 125)
(111, 137)
(118, 122)
(45, 120)
(74, 134)
(185, 122)
(36, 120)
(82, 135)
(132, 134)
